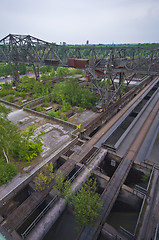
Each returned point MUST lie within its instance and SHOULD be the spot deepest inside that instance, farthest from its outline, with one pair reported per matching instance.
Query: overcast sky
(76, 21)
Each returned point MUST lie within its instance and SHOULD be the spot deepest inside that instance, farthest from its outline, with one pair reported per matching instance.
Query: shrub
(10, 98)
(30, 146)
(44, 178)
(46, 103)
(6, 92)
(19, 100)
(80, 109)
(7, 172)
(22, 94)
(27, 106)
(38, 108)
(33, 150)
(52, 113)
(65, 106)
(7, 85)
(64, 117)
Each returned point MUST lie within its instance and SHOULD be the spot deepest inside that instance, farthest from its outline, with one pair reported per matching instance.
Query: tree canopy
(71, 92)
(87, 204)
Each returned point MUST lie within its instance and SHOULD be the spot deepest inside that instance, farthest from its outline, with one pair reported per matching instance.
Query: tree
(87, 204)
(7, 172)
(62, 186)
(44, 178)
(13, 144)
(9, 136)
(70, 91)
(31, 145)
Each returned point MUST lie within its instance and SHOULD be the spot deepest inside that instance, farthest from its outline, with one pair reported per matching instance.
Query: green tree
(62, 186)
(7, 172)
(87, 204)
(9, 136)
(22, 68)
(70, 91)
(31, 146)
(44, 178)
(13, 144)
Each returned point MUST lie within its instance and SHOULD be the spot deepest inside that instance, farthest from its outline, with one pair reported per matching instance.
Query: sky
(75, 22)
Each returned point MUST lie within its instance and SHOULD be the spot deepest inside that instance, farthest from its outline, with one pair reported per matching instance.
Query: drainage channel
(125, 214)
(137, 177)
(35, 217)
(16, 201)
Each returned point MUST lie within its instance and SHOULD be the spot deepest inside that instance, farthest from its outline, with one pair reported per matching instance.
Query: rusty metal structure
(106, 67)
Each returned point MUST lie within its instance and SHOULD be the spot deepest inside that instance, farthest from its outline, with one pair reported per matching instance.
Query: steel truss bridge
(103, 64)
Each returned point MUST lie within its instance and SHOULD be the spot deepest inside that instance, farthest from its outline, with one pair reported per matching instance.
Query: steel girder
(28, 49)
(105, 63)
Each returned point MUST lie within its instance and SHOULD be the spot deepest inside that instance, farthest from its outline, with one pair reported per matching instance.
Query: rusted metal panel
(81, 63)
(71, 62)
(98, 72)
(77, 63)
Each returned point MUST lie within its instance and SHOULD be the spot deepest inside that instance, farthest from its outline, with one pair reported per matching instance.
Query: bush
(22, 94)
(80, 109)
(6, 92)
(38, 108)
(64, 117)
(34, 149)
(44, 178)
(7, 85)
(7, 172)
(52, 113)
(46, 104)
(65, 106)
(10, 98)
(27, 106)
(30, 146)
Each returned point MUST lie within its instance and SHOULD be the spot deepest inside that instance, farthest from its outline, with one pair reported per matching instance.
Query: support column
(15, 74)
(121, 79)
(36, 71)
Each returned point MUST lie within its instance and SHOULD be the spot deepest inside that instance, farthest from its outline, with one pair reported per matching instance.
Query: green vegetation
(53, 114)
(87, 204)
(80, 109)
(39, 108)
(145, 177)
(9, 136)
(62, 186)
(37, 89)
(15, 146)
(70, 92)
(32, 146)
(44, 178)
(7, 172)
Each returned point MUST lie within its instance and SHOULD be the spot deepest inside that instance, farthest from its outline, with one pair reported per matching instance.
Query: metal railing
(76, 173)
(156, 233)
(37, 219)
(145, 190)
(132, 235)
(92, 156)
